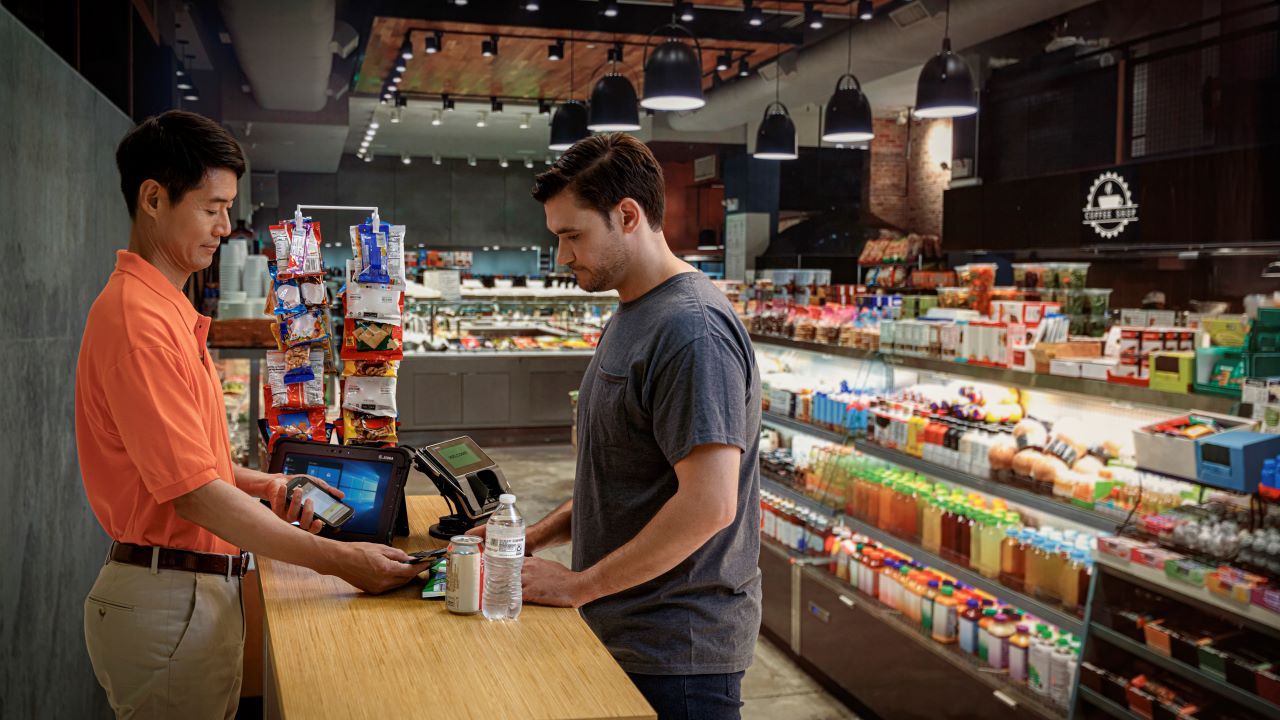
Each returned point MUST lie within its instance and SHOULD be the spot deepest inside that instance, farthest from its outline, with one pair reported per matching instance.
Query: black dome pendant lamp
(776, 138)
(613, 101)
(945, 88)
(569, 124)
(847, 118)
(673, 73)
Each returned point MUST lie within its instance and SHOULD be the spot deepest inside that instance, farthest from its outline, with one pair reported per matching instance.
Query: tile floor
(774, 687)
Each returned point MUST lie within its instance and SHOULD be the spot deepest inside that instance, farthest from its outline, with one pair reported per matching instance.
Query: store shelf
(791, 424)
(1221, 688)
(848, 352)
(1033, 381)
(775, 486)
(1013, 695)
(1048, 613)
(1158, 581)
(1018, 496)
(1113, 709)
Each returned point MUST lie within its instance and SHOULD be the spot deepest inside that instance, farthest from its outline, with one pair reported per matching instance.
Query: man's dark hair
(601, 171)
(176, 149)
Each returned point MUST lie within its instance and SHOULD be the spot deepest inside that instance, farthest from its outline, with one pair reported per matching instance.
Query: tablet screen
(364, 485)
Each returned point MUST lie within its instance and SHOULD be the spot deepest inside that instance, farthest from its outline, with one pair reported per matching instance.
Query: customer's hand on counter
(549, 583)
(375, 568)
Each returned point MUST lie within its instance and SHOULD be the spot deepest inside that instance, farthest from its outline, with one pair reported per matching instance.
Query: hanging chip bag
(288, 298)
(313, 292)
(370, 395)
(307, 394)
(306, 327)
(375, 302)
(369, 340)
(363, 429)
(370, 368)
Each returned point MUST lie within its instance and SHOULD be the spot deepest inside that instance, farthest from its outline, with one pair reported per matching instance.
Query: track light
(395, 115)
(502, 162)
(368, 158)
(388, 93)
(723, 61)
(435, 159)
(744, 68)
(406, 159)
(531, 5)
(482, 121)
(489, 48)
(400, 66)
(471, 160)
(544, 107)
(812, 17)
(755, 16)
(406, 49)
(396, 80)
(434, 43)
(546, 160)
(185, 83)
(373, 125)
(524, 120)
(435, 119)
(615, 53)
(865, 10)
(610, 8)
(555, 51)
(528, 163)
(495, 105)
(684, 11)
(192, 94)
(364, 144)
(446, 103)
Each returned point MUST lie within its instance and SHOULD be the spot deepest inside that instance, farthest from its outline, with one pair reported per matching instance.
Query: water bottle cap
(507, 499)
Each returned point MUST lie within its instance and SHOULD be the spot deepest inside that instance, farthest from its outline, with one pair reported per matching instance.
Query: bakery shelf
(1017, 496)
(1221, 688)
(1156, 580)
(1111, 708)
(1031, 381)
(801, 427)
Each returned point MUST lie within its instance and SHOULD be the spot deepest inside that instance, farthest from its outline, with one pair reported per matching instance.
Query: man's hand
(376, 568)
(548, 583)
(293, 509)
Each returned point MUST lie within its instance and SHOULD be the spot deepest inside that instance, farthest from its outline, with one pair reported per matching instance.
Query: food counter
(333, 652)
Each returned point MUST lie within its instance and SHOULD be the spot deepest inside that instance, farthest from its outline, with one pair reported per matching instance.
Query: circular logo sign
(1109, 205)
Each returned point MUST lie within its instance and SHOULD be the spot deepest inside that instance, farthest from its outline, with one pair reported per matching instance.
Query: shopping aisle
(542, 478)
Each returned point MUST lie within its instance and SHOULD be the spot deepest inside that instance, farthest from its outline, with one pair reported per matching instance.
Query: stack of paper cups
(255, 276)
(231, 265)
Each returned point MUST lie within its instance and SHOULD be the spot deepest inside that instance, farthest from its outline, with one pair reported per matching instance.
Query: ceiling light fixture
(396, 80)
(435, 118)
(615, 53)
(406, 48)
(945, 87)
(481, 122)
(180, 70)
(847, 118)
(744, 68)
(400, 66)
(373, 125)
(610, 9)
(368, 158)
(776, 138)
(191, 94)
(546, 160)
(755, 16)
(555, 51)
(613, 103)
(683, 10)
(502, 162)
(866, 10)
(673, 73)
(1272, 270)
(435, 159)
(525, 118)
(544, 107)
(489, 48)
(447, 103)
(434, 43)
(531, 5)
(569, 124)
(528, 163)
(406, 159)
(812, 17)
(495, 105)
(471, 160)
(724, 60)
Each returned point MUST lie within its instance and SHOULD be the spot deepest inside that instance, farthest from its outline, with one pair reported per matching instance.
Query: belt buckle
(244, 564)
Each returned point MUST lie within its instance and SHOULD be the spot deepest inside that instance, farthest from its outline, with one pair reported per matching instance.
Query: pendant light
(673, 73)
(569, 124)
(613, 101)
(848, 115)
(776, 138)
(945, 88)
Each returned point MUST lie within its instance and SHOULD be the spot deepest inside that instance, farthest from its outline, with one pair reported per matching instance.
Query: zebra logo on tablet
(1109, 205)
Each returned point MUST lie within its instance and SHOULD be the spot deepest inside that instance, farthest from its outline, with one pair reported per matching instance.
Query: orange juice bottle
(945, 616)
(931, 529)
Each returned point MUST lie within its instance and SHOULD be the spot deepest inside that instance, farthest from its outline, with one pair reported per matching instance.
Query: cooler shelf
(1113, 709)
(783, 421)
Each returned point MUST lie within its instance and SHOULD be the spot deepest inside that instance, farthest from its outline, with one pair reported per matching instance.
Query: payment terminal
(467, 478)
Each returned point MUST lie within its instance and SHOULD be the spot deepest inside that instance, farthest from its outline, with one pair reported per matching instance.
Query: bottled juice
(885, 503)
(931, 526)
(992, 535)
(928, 604)
(945, 617)
(889, 585)
(1035, 565)
(968, 627)
(984, 633)
(874, 563)
(1060, 679)
(1019, 646)
(1013, 559)
(1055, 563)
(1038, 661)
(947, 528)
(977, 524)
(907, 599)
(1074, 582)
(964, 534)
(1000, 633)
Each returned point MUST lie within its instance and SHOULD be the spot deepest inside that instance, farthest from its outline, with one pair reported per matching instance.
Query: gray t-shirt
(674, 370)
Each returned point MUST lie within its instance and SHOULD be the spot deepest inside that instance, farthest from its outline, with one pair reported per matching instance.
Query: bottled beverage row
(1032, 654)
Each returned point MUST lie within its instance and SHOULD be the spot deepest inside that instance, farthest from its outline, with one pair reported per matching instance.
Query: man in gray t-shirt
(665, 515)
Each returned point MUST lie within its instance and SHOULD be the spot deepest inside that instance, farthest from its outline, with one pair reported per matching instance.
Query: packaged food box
(1117, 546)
(1267, 597)
(1140, 701)
(1188, 571)
(1157, 638)
(1234, 584)
(1153, 557)
(1163, 453)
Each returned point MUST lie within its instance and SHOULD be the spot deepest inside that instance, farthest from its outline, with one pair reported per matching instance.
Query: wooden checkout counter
(334, 652)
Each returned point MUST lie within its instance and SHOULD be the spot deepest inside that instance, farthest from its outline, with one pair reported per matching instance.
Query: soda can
(464, 575)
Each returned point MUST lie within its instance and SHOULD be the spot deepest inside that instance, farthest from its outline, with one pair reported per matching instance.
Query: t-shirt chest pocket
(608, 420)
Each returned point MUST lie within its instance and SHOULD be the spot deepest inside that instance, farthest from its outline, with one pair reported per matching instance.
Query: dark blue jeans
(692, 697)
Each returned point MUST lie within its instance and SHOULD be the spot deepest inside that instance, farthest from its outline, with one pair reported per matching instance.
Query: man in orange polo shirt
(164, 622)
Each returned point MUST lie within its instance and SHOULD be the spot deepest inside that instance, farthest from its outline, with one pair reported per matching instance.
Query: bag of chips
(305, 424)
(304, 249)
(374, 302)
(288, 298)
(378, 254)
(370, 395)
(305, 327)
(369, 340)
(370, 368)
(303, 363)
(362, 429)
(313, 292)
(306, 394)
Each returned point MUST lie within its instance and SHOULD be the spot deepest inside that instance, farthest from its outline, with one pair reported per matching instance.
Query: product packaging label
(504, 542)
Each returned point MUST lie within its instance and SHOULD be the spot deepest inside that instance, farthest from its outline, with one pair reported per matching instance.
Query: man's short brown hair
(601, 171)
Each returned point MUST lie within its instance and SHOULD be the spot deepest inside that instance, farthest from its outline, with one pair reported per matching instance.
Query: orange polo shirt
(150, 421)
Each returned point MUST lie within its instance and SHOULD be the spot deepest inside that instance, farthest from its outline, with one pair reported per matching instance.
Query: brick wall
(906, 183)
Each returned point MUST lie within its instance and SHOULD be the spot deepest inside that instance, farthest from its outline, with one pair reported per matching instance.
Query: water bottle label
(503, 542)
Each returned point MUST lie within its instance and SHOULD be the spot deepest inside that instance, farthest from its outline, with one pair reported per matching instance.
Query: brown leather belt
(186, 560)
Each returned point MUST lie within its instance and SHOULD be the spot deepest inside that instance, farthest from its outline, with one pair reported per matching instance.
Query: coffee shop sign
(1109, 206)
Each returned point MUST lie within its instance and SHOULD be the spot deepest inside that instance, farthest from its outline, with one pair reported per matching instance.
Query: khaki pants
(167, 644)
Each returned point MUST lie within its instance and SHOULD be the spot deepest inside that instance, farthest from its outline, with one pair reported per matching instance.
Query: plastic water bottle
(503, 559)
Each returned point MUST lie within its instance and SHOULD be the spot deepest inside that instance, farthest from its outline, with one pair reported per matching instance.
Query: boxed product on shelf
(1234, 584)
(1045, 353)
(1169, 446)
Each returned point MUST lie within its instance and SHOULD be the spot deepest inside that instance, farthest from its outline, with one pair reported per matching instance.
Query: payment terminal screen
(364, 485)
(459, 456)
